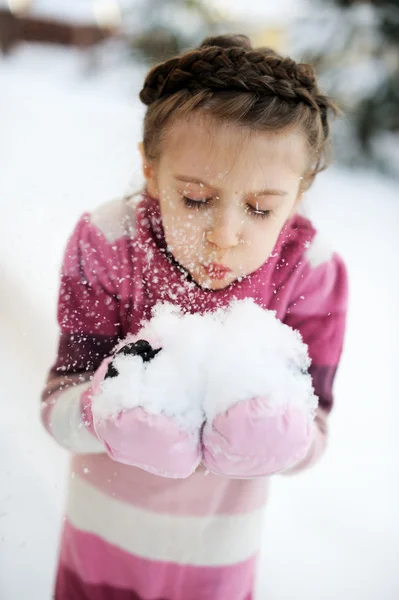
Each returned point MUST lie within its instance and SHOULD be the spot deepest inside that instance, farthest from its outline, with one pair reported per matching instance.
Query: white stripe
(67, 426)
(214, 540)
(116, 218)
(319, 251)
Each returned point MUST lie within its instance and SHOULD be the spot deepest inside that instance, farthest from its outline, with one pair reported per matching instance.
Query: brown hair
(228, 80)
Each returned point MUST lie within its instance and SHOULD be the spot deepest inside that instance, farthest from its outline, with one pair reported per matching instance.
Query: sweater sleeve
(88, 317)
(318, 312)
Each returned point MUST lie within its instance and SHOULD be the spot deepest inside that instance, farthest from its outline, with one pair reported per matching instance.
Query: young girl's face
(225, 194)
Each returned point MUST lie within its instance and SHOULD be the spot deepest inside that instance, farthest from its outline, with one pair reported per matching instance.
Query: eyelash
(261, 214)
(196, 204)
(200, 204)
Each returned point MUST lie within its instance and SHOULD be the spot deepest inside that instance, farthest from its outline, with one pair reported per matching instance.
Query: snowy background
(69, 142)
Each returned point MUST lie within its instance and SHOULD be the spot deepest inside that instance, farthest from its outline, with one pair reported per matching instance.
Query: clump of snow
(253, 355)
(173, 382)
(208, 363)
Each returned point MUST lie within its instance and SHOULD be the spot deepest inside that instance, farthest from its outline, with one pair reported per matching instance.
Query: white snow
(172, 383)
(68, 144)
(207, 363)
(252, 354)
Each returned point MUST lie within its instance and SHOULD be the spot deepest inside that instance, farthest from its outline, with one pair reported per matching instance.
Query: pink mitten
(135, 436)
(259, 401)
(252, 439)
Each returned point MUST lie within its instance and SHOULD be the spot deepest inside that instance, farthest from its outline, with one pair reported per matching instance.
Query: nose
(225, 231)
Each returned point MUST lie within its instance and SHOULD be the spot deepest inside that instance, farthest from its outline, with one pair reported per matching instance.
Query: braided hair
(229, 80)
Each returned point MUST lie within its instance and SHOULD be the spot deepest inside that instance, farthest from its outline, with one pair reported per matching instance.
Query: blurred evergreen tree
(354, 46)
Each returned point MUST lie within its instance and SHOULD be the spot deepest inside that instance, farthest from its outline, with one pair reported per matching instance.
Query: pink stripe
(319, 309)
(84, 308)
(198, 495)
(89, 283)
(324, 337)
(95, 562)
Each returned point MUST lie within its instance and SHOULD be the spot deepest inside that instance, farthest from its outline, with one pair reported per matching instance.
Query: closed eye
(256, 212)
(196, 204)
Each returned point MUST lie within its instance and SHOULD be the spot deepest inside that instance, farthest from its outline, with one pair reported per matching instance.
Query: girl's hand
(253, 439)
(259, 402)
(153, 442)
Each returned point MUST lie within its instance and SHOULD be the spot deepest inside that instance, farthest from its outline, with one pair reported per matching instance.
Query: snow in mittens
(255, 355)
(208, 363)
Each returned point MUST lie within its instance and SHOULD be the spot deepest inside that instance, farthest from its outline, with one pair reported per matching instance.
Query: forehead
(224, 153)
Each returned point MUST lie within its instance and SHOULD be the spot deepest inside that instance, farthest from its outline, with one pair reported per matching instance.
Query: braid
(217, 69)
(229, 79)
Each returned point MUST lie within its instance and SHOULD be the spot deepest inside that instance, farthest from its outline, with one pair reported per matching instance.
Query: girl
(233, 136)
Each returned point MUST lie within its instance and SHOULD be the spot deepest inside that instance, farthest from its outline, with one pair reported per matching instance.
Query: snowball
(255, 355)
(208, 363)
(173, 383)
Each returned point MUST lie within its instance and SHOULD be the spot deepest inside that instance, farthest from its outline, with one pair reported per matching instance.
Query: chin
(214, 284)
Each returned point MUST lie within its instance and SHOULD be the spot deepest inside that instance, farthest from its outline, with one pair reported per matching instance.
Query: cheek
(261, 237)
(260, 243)
(183, 229)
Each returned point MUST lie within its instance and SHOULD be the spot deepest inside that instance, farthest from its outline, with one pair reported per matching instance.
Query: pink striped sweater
(130, 535)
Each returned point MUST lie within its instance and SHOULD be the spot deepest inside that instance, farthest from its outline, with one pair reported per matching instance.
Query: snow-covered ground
(68, 143)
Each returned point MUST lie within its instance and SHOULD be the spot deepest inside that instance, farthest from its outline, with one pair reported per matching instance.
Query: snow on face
(209, 363)
(225, 195)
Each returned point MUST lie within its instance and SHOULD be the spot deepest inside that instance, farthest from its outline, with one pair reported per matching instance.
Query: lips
(215, 271)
